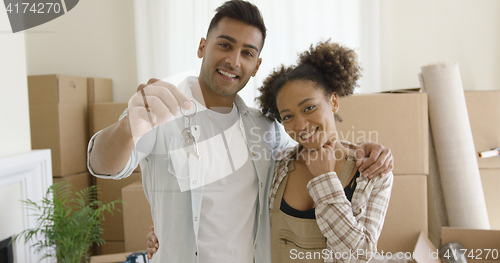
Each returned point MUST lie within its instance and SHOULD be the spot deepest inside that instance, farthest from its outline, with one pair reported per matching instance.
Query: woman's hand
(152, 243)
(322, 160)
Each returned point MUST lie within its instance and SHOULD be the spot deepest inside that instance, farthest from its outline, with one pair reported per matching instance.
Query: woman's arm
(352, 228)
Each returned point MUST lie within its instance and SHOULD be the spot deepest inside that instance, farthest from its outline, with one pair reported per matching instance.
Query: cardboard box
(476, 241)
(424, 251)
(136, 217)
(490, 179)
(98, 90)
(58, 120)
(54, 89)
(112, 258)
(397, 121)
(406, 216)
(484, 117)
(111, 247)
(110, 190)
(79, 181)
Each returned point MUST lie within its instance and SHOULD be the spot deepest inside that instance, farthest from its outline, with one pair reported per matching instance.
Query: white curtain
(168, 33)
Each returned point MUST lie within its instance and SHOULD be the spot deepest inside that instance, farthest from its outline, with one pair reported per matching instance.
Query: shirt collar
(240, 104)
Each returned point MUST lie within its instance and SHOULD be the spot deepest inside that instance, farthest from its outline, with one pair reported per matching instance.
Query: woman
(318, 199)
(322, 208)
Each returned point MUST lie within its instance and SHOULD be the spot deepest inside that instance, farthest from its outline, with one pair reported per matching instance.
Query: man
(208, 192)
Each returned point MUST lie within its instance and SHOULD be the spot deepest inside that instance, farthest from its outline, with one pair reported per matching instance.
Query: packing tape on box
(456, 156)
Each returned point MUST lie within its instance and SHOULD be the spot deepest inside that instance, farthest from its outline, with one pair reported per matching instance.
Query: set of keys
(191, 134)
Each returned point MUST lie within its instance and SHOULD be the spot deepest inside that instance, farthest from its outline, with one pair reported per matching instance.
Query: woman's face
(308, 116)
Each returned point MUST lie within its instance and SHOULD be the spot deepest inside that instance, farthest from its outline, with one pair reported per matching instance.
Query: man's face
(230, 57)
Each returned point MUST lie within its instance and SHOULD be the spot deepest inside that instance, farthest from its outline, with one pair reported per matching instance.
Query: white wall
(14, 123)
(14, 112)
(415, 33)
(95, 39)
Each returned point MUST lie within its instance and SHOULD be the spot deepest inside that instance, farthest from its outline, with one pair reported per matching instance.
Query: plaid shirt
(352, 229)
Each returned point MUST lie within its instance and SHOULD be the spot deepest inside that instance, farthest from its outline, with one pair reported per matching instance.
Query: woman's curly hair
(333, 67)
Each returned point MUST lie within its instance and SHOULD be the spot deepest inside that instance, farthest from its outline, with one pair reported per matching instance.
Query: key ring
(191, 115)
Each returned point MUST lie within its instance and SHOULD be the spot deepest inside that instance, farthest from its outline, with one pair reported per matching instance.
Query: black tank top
(309, 214)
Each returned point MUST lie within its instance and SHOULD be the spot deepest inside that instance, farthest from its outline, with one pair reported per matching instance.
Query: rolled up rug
(452, 137)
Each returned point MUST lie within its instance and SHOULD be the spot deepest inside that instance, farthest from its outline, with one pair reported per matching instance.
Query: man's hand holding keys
(154, 104)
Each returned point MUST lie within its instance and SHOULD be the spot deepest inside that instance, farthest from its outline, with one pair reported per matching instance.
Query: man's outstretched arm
(153, 104)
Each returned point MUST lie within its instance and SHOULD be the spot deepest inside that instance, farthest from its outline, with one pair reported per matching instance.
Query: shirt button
(255, 246)
(196, 253)
(261, 184)
(194, 181)
(260, 216)
(195, 218)
(253, 153)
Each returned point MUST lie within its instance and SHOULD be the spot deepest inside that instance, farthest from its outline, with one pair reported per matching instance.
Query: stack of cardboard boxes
(58, 121)
(398, 121)
(484, 117)
(65, 111)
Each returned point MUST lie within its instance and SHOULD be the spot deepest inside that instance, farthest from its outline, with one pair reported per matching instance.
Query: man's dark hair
(242, 11)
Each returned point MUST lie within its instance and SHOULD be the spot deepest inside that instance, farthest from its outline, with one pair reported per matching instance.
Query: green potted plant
(68, 222)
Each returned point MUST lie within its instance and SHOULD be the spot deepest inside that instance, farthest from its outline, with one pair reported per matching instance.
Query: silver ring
(191, 115)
